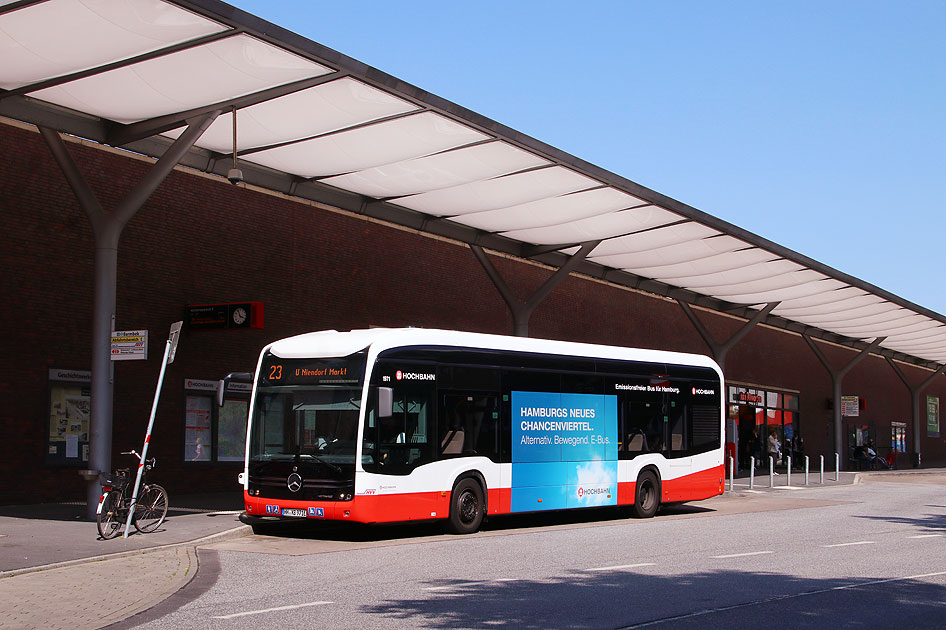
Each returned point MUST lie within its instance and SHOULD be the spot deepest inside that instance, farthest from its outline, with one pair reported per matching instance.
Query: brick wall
(200, 240)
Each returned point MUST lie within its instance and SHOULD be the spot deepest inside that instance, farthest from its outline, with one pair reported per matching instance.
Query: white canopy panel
(308, 114)
(602, 226)
(571, 210)
(184, 80)
(316, 111)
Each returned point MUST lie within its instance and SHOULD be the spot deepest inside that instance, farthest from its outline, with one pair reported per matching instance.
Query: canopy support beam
(915, 391)
(720, 350)
(837, 377)
(107, 227)
(522, 311)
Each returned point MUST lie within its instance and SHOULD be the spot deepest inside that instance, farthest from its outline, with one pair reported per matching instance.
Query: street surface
(872, 555)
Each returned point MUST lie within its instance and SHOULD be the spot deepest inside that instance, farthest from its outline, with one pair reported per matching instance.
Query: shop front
(760, 417)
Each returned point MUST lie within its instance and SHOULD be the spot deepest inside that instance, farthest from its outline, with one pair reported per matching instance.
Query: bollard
(771, 471)
(752, 472)
(788, 479)
(822, 469)
(837, 466)
(806, 470)
(731, 474)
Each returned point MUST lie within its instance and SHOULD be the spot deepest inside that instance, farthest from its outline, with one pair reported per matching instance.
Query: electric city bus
(391, 425)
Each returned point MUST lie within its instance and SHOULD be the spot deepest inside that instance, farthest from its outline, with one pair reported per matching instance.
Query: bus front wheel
(466, 507)
(646, 495)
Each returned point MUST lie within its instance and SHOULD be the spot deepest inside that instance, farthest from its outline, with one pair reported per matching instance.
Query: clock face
(239, 315)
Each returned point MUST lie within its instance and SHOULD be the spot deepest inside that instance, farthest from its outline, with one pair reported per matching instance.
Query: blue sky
(818, 125)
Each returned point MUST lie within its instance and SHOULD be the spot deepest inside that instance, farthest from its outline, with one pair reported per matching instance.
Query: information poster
(197, 428)
(850, 406)
(564, 451)
(932, 416)
(231, 431)
(70, 408)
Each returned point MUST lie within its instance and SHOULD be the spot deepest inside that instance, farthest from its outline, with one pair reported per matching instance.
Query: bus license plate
(293, 512)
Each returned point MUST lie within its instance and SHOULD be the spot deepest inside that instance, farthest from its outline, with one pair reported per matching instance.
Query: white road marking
(849, 544)
(458, 585)
(743, 555)
(927, 536)
(623, 566)
(269, 610)
(778, 598)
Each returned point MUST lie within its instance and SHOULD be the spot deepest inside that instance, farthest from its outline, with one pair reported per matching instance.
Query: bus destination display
(277, 371)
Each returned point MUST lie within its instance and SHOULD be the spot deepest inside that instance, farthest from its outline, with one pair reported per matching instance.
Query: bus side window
(642, 429)
(676, 415)
(469, 425)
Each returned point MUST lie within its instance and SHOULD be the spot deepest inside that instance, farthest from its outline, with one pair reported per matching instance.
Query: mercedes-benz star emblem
(294, 482)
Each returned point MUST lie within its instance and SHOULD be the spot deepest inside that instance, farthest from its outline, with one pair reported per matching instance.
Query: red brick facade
(200, 240)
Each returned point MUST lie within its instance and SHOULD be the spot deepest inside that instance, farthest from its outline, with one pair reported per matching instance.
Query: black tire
(646, 495)
(109, 519)
(151, 508)
(467, 507)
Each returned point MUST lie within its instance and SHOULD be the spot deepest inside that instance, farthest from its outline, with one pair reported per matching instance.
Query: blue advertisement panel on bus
(564, 451)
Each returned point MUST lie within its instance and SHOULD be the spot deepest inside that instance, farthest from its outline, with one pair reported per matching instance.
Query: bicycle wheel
(109, 519)
(151, 509)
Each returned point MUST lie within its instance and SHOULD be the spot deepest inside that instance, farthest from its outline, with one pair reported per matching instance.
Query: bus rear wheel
(466, 507)
(646, 495)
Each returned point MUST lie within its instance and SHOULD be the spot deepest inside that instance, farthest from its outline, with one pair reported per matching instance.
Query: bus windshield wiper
(322, 461)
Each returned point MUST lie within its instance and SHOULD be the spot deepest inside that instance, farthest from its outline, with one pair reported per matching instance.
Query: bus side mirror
(385, 402)
(242, 377)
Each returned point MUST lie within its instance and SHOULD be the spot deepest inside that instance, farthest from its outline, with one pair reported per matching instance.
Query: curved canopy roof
(318, 125)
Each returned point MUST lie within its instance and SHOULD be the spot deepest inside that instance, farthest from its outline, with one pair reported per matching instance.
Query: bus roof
(332, 343)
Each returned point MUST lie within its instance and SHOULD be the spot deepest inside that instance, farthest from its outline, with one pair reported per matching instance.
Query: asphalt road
(866, 556)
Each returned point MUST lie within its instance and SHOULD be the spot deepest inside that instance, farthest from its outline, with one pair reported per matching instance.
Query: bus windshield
(302, 423)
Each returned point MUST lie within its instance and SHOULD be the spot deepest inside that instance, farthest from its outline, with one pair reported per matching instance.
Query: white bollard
(731, 474)
(771, 471)
(752, 472)
(806, 470)
(788, 479)
(822, 469)
(837, 466)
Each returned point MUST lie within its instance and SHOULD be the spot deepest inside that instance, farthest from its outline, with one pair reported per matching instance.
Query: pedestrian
(873, 459)
(798, 450)
(752, 449)
(774, 449)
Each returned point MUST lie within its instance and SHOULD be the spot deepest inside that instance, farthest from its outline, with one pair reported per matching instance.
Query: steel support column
(837, 376)
(107, 227)
(522, 311)
(720, 350)
(915, 391)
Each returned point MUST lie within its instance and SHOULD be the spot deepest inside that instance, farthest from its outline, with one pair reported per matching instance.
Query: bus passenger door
(680, 464)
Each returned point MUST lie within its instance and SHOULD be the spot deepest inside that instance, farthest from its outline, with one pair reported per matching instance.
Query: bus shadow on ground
(626, 600)
(358, 532)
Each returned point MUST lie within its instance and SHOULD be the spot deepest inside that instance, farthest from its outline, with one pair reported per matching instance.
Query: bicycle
(150, 509)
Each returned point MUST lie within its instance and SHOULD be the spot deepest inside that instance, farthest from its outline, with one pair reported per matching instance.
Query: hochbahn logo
(414, 376)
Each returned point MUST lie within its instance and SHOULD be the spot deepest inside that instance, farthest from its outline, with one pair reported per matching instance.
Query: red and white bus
(387, 425)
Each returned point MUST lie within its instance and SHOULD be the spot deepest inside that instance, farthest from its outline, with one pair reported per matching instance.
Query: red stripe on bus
(390, 508)
(695, 487)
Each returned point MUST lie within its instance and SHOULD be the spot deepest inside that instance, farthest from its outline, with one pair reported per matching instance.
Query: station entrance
(755, 415)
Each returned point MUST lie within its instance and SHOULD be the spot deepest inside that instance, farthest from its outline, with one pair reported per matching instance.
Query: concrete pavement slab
(95, 594)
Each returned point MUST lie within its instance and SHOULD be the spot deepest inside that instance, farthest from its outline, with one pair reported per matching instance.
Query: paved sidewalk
(782, 481)
(55, 571)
